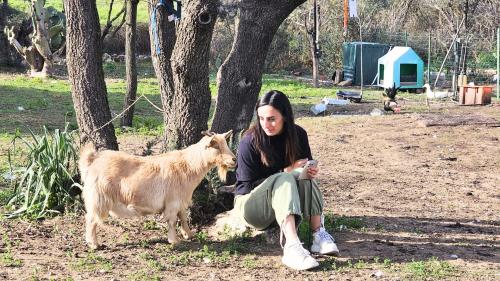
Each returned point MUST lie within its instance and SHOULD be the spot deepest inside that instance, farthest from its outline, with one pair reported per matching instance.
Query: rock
(377, 274)
(227, 224)
(345, 83)
(376, 112)
(318, 108)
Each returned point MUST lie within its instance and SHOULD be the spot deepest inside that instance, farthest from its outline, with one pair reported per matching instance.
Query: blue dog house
(401, 66)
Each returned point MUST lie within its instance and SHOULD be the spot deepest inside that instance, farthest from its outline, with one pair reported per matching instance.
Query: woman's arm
(247, 171)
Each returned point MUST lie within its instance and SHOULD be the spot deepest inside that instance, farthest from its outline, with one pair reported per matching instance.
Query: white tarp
(353, 8)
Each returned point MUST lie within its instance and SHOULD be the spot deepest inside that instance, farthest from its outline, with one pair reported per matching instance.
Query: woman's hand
(312, 172)
(297, 164)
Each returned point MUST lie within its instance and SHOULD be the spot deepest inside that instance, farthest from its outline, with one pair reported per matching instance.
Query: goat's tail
(88, 154)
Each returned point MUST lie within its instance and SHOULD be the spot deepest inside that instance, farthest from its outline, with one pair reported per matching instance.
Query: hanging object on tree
(173, 8)
(353, 9)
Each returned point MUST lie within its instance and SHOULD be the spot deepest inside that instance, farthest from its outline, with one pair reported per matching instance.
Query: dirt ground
(419, 203)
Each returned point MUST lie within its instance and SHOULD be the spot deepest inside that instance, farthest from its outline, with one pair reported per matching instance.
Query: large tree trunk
(162, 44)
(187, 106)
(240, 77)
(84, 59)
(130, 62)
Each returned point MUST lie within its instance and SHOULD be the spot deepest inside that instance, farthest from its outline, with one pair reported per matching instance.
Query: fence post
(429, 60)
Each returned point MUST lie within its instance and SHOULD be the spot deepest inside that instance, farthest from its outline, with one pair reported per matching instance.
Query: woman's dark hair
(280, 102)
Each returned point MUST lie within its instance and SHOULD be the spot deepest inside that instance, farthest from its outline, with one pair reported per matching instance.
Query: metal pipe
(429, 60)
(447, 53)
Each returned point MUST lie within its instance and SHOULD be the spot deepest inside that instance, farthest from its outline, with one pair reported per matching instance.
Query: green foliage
(92, 262)
(102, 8)
(56, 22)
(150, 225)
(46, 180)
(7, 259)
(148, 125)
(433, 268)
(486, 60)
(201, 236)
(339, 223)
(250, 261)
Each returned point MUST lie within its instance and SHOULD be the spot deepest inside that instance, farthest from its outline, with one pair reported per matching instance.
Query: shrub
(46, 184)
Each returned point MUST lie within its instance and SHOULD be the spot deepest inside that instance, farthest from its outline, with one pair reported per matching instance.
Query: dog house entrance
(408, 74)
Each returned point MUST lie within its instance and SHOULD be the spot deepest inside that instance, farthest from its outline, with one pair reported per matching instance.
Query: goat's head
(218, 150)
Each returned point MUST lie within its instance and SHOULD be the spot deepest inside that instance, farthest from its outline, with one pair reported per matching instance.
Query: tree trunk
(130, 62)
(84, 59)
(239, 79)
(190, 104)
(40, 37)
(4, 43)
(162, 41)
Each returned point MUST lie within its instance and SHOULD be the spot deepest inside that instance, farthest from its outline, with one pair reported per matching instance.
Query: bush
(116, 44)
(46, 185)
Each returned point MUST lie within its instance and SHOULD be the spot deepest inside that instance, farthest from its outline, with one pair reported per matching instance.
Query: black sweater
(250, 171)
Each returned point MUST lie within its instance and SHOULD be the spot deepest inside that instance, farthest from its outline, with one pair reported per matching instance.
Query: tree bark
(40, 37)
(162, 37)
(130, 62)
(239, 79)
(84, 59)
(189, 108)
(4, 43)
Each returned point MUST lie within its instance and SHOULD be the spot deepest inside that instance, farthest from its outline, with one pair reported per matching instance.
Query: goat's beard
(222, 171)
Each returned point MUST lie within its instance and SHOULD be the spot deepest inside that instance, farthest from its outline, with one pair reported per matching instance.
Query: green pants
(277, 197)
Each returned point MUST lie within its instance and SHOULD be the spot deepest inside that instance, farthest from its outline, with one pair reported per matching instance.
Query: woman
(270, 157)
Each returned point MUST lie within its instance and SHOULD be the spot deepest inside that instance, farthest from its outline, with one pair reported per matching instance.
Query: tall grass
(46, 183)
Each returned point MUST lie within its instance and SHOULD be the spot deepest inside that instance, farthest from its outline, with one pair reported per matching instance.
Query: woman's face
(270, 120)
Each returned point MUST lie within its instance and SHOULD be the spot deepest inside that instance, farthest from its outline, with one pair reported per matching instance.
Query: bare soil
(428, 199)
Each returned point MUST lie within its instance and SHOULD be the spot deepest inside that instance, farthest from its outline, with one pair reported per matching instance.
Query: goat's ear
(212, 142)
(228, 134)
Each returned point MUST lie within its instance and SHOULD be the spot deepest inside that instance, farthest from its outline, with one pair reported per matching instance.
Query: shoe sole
(305, 268)
(332, 253)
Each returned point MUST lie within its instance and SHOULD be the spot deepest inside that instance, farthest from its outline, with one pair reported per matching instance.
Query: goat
(122, 185)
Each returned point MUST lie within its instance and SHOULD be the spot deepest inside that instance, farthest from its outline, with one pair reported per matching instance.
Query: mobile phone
(310, 163)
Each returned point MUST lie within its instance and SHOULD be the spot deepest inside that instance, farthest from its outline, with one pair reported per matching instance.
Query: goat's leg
(185, 230)
(91, 231)
(172, 233)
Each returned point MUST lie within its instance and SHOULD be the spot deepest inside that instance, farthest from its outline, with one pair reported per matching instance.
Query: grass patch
(7, 259)
(332, 224)
(433, 268)
(92, 262)
(250, 261)
(102, 8)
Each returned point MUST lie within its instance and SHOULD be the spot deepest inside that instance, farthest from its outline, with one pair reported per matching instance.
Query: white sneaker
(323, 243)
(298, 258)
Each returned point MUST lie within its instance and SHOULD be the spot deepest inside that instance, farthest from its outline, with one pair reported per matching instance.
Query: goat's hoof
(94, 246)
(187, 235)
(174, 241)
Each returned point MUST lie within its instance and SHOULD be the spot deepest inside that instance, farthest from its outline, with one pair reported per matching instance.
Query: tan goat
(123, 185)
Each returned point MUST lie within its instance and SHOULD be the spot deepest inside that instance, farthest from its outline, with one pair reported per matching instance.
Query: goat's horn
(208, 133)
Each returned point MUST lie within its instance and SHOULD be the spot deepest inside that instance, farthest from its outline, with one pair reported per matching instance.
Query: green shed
(352, 61)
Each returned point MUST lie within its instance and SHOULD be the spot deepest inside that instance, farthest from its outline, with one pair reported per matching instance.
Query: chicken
(435, 95)
(390, 103)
